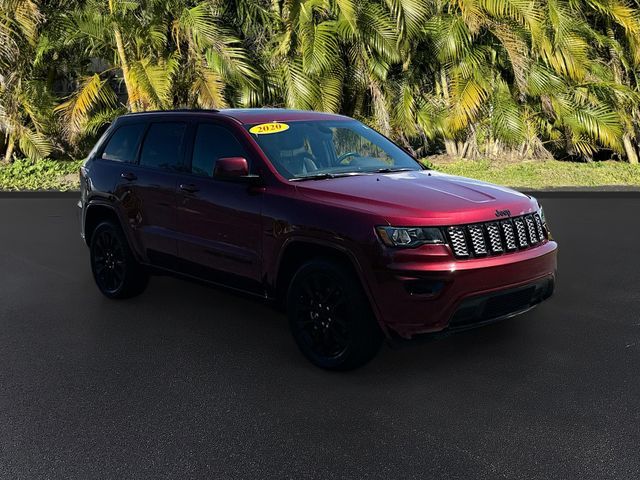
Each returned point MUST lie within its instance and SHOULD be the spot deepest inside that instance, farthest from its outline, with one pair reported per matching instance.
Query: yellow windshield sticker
(267, 128)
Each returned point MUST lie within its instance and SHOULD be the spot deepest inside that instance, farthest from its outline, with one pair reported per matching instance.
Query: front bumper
(426, 291)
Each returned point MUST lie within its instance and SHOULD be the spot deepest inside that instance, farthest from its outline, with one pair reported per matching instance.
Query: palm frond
(507, 121)
(208, 89)
(93, 92)
(404, 110)
(34, 145)
(451, 37)
(99, 119)
(198, 25)
(377, 31)
(468, 95)
(300, 90)
(154, 81)
(599, 123)
(319, 47)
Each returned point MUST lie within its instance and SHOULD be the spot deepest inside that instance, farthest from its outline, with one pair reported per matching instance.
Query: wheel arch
(296, 252)
(95, 214)
(98, 212)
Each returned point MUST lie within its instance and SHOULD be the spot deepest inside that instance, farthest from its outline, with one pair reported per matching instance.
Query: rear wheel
(330, 316)
(115, 271)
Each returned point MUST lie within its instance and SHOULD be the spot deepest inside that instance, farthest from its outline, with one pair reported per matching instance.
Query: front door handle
(128, 176)
(188, 187)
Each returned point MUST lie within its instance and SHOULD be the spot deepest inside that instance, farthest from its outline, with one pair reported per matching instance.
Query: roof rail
(209, 110)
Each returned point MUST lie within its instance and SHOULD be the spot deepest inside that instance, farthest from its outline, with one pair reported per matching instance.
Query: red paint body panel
(243, 230)
(219, 226)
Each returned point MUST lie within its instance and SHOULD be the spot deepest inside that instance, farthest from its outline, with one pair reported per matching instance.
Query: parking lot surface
(188, 381)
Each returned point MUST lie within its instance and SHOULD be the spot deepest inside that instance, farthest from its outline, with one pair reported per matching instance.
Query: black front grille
(495, 238)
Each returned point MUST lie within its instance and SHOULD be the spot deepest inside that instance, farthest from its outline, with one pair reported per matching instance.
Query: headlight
(542, 217)
(409, 236)
(545, 225)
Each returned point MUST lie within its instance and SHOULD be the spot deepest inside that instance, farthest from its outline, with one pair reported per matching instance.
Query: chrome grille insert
(531, 229)
(458, 241)
(509, 235)
(477, 239)
(539, 227)
(495, 238)
(521, 234)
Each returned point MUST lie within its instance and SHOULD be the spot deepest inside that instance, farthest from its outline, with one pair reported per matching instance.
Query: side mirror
(231, 167)
(235, 169)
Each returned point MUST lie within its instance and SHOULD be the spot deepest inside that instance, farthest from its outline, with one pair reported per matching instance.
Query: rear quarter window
(123, 144)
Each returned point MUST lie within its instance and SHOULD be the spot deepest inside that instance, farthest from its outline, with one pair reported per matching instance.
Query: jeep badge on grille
(503, 213)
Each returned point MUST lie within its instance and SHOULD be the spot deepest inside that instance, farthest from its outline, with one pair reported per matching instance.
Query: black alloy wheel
(115, 270)
(109, 262)
(330, 316)
(322, 315)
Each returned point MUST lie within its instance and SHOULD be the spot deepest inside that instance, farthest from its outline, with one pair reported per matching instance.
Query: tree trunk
(450, 146)
(630, 150)
(8, 155)
(124, 64)
(444, 83)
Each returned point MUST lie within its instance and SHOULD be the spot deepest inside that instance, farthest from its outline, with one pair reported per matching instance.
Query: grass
(540, 174)
(534, 174)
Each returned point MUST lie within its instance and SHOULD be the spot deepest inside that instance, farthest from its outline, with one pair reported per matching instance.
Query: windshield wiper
(322, 176)
(392, 170)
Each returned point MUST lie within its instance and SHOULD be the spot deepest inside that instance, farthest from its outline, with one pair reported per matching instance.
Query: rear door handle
(188, 187)
(128, 176)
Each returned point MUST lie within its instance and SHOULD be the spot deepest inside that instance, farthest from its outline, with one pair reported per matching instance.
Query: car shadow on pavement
(189, 319)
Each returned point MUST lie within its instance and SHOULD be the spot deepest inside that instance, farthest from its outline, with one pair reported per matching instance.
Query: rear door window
(163, 146)
(211, 143)
(123, 144)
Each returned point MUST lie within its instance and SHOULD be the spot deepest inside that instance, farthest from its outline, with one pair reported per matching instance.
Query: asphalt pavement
(189, 381)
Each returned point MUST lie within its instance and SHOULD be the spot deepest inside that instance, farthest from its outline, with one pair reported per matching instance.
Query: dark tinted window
(213, 142)
(123, 144)
(162, 147)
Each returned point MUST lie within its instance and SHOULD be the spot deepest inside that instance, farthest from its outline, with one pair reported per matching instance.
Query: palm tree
(336, 55)
(526, 78)
(169, 54)
(25, 102)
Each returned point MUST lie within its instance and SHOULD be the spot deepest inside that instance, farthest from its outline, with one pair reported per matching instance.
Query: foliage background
(508, 79)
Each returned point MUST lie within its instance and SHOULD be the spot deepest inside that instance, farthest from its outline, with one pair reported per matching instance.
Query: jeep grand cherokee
(353, 236)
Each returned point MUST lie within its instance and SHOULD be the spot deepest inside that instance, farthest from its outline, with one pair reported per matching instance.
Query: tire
(330, 316)
(115, 270)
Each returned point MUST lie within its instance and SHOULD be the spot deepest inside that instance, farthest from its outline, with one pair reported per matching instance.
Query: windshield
(326, 149)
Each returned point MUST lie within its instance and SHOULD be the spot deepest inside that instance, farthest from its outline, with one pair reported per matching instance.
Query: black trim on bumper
(488, 308)
(480, 310)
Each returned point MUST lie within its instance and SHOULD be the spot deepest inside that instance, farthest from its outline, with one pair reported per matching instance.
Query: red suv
(354, 237)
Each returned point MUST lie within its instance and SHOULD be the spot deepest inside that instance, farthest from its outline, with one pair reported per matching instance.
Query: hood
(416, 197)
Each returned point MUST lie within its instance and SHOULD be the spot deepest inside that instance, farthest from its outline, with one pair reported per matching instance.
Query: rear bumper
(439, 294)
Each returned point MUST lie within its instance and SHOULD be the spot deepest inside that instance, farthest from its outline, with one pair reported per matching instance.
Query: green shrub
(40, 175)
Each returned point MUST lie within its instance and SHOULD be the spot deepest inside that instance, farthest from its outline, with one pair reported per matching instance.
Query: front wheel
(330, 316)
(115, 271)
